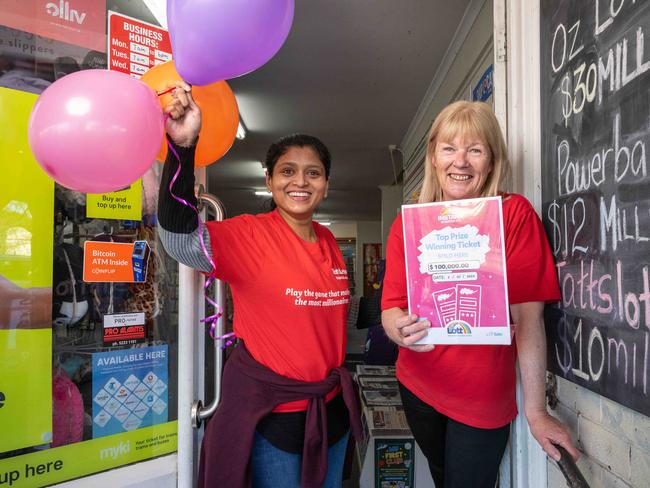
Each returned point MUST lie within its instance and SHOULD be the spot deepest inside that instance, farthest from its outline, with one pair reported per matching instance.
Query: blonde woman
(460, 400)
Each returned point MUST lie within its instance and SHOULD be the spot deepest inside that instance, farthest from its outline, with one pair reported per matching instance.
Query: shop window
(87, 367)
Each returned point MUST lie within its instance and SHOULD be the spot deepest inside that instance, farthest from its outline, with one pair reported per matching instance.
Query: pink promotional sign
(80, 22)
(455, 270)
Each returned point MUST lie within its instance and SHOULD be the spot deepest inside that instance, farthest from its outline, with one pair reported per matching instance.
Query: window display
(87, 367)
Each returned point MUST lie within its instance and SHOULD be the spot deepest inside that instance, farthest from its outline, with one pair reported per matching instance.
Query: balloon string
(169, 90)
(211, 319)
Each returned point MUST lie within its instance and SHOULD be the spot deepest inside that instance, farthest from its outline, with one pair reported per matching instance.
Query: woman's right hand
(405, 329)
(184, 121)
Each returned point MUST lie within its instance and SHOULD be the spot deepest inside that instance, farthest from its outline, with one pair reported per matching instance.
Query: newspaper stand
(388, 455)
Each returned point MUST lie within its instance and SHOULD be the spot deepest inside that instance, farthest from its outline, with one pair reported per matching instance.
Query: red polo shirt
(290, 296)
(475, 385)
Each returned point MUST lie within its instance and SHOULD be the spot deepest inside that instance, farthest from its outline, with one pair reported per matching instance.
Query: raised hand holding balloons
(219, 113)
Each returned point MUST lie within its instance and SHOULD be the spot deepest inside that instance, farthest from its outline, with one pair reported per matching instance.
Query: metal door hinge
(501, 46)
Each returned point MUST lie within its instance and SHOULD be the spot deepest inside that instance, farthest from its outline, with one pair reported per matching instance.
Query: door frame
(191, 360)
(517, 105)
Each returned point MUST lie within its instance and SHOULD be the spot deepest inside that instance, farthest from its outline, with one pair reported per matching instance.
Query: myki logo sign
(63, 11)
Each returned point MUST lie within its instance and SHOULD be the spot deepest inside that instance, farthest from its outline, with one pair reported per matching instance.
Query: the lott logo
(459, 328)
(63, 11)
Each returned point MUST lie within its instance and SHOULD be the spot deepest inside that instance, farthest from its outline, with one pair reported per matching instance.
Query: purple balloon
(222, 39)
(96, 131)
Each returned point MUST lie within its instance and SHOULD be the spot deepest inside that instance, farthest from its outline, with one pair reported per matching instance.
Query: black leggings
(460, 456)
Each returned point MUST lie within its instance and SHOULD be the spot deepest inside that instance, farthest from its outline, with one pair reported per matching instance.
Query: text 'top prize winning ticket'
(455, 270)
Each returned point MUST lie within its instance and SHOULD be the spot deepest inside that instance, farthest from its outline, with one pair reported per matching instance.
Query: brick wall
(614, 440)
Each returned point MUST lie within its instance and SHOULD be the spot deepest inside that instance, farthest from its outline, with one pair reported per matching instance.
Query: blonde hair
(466, 119)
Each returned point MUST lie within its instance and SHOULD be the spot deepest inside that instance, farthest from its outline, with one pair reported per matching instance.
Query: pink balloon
(96, 131)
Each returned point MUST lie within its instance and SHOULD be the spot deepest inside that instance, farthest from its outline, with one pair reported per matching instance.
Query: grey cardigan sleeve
(178, 223)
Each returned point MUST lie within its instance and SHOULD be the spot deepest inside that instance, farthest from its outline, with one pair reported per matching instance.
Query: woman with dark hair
(282, 420)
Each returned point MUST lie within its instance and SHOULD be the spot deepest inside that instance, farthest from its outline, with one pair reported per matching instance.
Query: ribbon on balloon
(219, 112)
(212, 320)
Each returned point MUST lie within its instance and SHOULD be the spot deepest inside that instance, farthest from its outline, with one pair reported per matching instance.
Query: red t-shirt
(475, 385)
(290, 296)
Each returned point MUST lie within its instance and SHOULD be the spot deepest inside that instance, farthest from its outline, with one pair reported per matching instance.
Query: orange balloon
(219, 113)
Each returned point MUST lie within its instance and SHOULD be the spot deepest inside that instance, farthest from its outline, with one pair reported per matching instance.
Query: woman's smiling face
(298, 182)
(462, 167)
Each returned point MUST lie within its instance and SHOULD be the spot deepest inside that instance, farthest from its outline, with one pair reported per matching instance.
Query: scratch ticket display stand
(388, 455)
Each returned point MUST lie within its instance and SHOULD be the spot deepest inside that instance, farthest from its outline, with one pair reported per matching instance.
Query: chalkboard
(595, 94)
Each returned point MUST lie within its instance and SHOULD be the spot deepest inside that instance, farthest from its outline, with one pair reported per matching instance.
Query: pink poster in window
(80, 22)
(455, 270)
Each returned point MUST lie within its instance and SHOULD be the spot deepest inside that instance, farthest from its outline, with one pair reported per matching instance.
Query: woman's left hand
(548, 430)
(531, 349)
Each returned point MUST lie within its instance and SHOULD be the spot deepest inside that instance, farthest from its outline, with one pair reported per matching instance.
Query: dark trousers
(460, 456)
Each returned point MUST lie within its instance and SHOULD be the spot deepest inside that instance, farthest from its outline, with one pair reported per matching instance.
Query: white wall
(468, 55)
(614, 440)
(344, 230)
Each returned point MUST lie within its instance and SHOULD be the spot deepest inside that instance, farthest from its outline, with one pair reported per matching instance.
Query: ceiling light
(326, 224)
(262, 193)
(241, 131)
